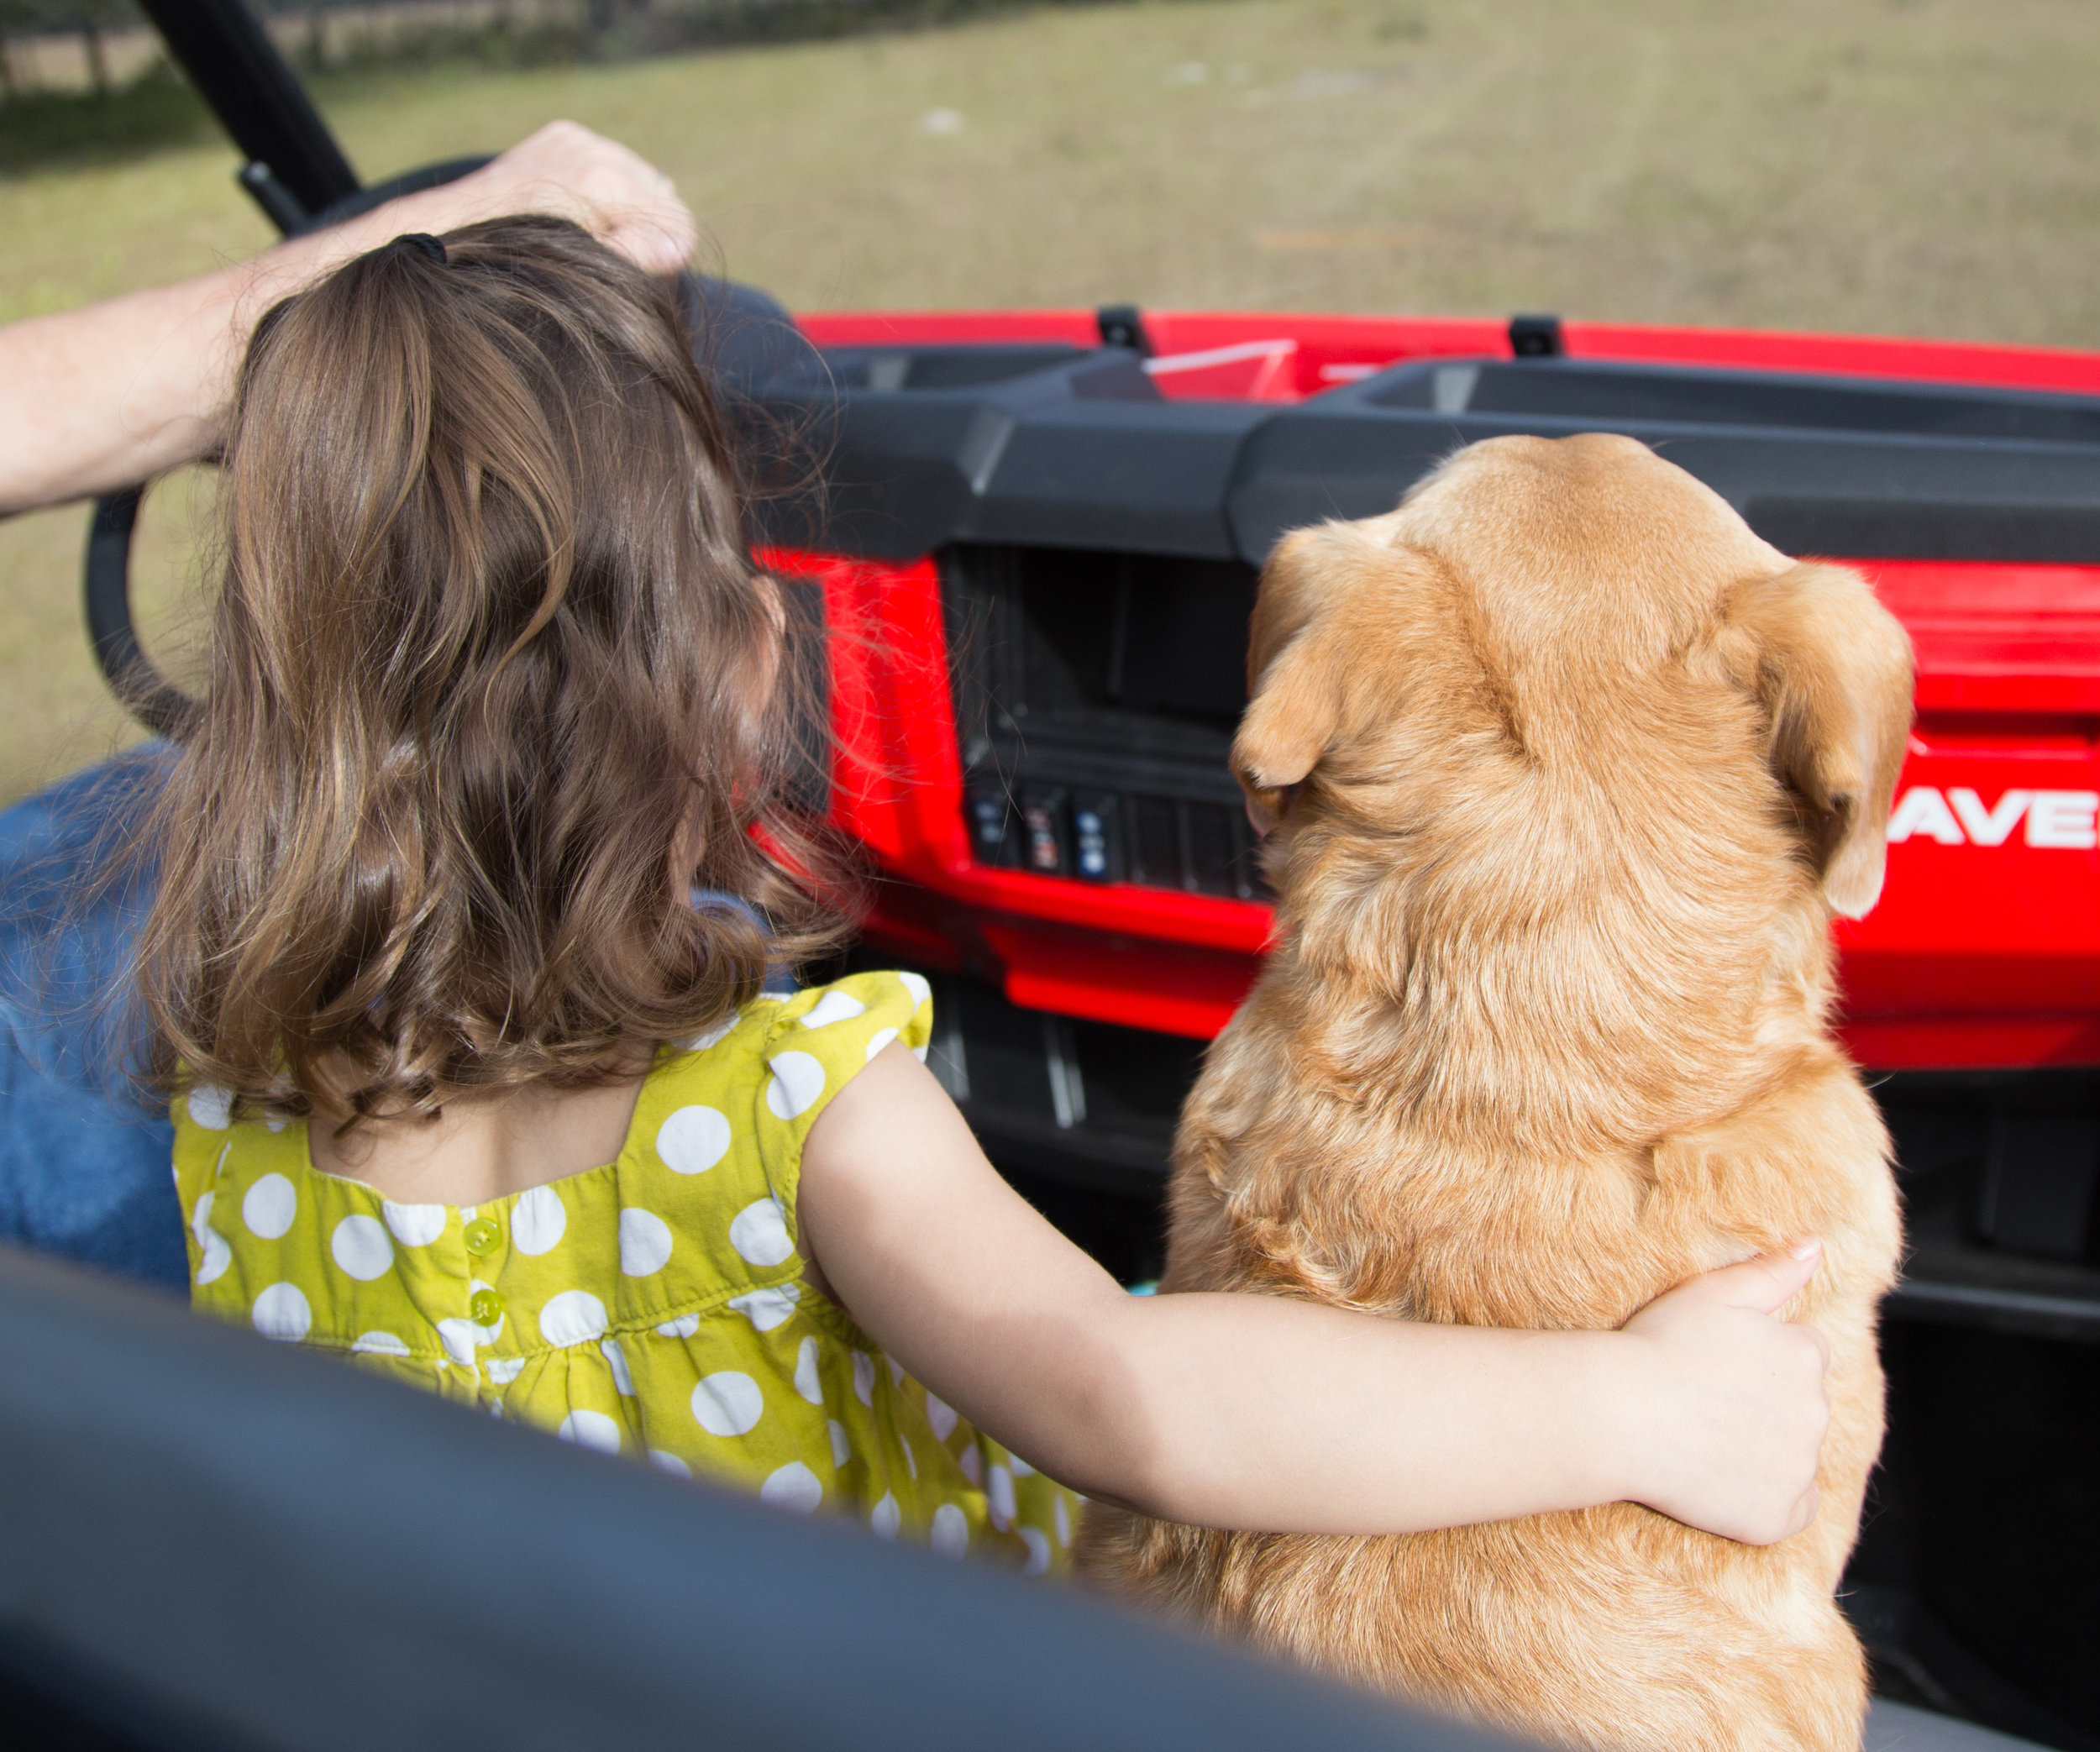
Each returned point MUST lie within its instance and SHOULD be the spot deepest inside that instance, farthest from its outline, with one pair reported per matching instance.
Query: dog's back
(1568, 772)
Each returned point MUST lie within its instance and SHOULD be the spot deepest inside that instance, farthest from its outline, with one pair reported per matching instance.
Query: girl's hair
(493, 684)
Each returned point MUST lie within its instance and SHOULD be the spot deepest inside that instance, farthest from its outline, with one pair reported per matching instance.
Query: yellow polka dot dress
(654, 1307)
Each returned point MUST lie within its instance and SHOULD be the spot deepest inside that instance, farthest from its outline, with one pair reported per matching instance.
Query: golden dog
(1568, 772)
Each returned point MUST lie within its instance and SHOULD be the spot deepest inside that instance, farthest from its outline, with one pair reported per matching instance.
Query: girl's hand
(1728, 1405)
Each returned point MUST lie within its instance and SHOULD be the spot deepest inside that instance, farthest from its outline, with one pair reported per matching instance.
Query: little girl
(469, 1088)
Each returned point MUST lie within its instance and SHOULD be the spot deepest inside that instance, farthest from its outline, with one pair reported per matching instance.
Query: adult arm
(105, 396)
(1266, 1413)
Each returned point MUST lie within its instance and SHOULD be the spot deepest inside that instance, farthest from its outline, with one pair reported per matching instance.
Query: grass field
(1919, 166)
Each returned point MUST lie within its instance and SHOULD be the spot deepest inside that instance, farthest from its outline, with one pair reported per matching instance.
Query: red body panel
(1985, 949)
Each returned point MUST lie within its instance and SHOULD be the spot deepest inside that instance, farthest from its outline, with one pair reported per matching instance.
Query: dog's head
(1567, 670)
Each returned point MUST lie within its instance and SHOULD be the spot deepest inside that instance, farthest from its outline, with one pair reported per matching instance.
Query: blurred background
(1890, 166)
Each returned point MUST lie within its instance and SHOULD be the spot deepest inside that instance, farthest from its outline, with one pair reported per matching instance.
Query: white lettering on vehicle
(2061, 819)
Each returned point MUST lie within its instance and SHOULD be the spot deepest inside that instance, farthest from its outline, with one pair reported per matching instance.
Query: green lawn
(1920, 166)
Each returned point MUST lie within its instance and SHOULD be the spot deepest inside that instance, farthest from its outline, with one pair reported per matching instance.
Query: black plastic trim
(1926, 492)
(307, 1556)
(1086, 454)
(1943, 529)
(1934, 1290)
(1952, 1278)
(1536, 336)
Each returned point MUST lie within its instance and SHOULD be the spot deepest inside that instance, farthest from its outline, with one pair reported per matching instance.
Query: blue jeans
(84, 1150)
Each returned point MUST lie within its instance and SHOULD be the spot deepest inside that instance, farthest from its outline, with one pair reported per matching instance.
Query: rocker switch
(1096, 855)
(1043, 847)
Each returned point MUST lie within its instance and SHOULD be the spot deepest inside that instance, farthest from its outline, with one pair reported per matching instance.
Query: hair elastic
(424, 241)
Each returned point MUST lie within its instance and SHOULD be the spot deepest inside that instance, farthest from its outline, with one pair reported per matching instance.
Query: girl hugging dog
(472, 1090)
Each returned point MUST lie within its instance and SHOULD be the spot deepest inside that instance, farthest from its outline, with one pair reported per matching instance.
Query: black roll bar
(295, 167)
(298, 175)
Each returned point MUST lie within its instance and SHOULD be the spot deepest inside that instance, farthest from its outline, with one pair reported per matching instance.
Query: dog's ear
(1833, 669)
(1293, 693)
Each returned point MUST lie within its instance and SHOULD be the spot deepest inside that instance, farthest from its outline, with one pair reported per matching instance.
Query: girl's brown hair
(492, 682)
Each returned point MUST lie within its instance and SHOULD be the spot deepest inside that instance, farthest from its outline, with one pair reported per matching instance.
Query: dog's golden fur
(1569, 771)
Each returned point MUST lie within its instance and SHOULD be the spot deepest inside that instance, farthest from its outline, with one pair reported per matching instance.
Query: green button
(482, 1236)
(486, 1307)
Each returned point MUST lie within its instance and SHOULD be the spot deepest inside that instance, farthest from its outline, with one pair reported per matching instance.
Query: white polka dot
(504, 1370)
(885, 1517)
(1021, 1468)
(590, 1430)
(217, 1255)
(768, 1309)
(645, 1242)
(1063, 1519)
(999, 1494)
(973, 1464)
(269, 1207)
(833, 1007)
(758, 1233)
(414, 1225)
(617, 1359)
(951, 1531)
(919, 1052)
(797, 1081)
(574, 1317)
(941, 1415)
(460, 1337)
(715, 1036)
(728, 1402)
(1038, 1544)
(360, 1247)
(693, 1140)
(864, 1378)
(918, 986)
(896, 1371)
(210, 1106)
(275, 1122)
(910, 1459)
(685, 1326)
(670, 1463)
(841, 1445)
(281, 1312)
(380, 1344)
(807, 1382)
(537, 1220)
(793, 1487)
(883, 1037)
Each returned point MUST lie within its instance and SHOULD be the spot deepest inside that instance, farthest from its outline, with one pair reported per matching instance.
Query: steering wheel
(148, 696)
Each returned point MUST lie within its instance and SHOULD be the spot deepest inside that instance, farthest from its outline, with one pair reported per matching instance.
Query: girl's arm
(1265, 1413)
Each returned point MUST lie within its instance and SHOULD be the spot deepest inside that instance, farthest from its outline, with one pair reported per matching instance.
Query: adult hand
(563, 169)
(113, 394)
